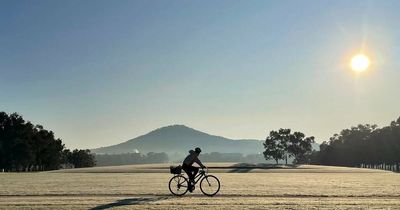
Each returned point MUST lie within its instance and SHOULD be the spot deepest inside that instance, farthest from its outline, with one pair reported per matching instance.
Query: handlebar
(204, 170)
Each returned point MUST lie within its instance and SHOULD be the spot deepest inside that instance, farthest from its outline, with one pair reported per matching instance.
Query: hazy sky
(101, 72)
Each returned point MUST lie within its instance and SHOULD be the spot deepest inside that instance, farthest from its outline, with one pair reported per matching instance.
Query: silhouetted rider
(188, 167)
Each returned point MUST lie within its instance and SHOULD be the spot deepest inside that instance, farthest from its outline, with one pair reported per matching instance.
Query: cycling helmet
(198, 150)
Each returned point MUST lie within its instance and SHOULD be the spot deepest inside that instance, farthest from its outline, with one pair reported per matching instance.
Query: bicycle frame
(200, 174)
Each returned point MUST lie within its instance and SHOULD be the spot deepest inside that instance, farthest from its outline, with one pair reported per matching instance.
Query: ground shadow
(131, 201)
(247, 167)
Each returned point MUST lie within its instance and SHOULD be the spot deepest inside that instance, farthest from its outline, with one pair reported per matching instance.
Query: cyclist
(188, 167)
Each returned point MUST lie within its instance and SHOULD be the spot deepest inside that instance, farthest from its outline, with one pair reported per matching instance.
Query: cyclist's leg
(192, 173)
(195, 171)
(189, 172)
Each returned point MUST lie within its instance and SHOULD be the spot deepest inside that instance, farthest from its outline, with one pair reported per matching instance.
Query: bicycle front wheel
(209, 185)
(178, 185)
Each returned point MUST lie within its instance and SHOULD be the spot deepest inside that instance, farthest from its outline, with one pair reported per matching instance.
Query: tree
(300, 147)
(81, 158)
(283, 144)
(273, 147)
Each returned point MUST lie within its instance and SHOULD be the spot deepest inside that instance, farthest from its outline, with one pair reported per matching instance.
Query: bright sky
(101, 72)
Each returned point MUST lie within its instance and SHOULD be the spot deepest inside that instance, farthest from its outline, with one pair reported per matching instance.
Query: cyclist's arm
(199, 162)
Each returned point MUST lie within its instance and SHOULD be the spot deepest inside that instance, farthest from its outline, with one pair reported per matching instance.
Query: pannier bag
(175, 169)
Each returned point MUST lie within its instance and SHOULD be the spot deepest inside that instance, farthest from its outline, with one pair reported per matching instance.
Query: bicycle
(179, 184)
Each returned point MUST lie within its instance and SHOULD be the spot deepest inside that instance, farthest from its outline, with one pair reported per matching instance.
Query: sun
(360, 62)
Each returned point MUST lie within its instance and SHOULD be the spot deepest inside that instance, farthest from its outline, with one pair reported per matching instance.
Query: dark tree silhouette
(81, 158)
(283, 144)
(28, 147)
(273, 147)
(300, 147)
(363, 146)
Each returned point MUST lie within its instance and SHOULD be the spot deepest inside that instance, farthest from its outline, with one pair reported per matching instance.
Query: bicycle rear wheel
(209, 185)
(178, 185)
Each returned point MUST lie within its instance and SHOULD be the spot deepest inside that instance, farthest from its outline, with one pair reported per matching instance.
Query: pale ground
(305, 187)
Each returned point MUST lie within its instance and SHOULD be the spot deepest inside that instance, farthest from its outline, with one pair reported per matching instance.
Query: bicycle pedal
(192, 189)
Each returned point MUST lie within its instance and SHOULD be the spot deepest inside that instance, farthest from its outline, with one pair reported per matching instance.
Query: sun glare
(360, 62)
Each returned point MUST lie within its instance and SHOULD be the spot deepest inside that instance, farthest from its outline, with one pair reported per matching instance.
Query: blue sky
(101, 72)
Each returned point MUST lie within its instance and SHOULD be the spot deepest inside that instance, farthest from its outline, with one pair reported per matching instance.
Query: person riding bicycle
(188, 167)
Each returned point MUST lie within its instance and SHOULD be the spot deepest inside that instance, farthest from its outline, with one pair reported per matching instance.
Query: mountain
(179, 139)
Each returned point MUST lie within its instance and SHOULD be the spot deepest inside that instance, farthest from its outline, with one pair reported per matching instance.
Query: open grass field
(243, 187)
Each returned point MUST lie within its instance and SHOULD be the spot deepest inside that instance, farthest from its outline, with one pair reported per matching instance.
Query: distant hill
(178, 139)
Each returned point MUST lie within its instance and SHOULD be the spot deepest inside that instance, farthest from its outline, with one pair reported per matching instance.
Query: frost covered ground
(243, 187)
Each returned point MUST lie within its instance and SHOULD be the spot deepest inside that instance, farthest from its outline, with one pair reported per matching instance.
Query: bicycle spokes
(208, 182)
(178, 185)
(210, 185)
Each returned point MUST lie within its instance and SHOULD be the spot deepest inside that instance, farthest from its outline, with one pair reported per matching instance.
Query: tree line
(364, 146)
(152, 157)
(231, 157)
(130, 158)
(28, 147)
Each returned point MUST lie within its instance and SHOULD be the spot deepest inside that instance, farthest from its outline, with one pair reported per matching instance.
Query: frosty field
(146, 186)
